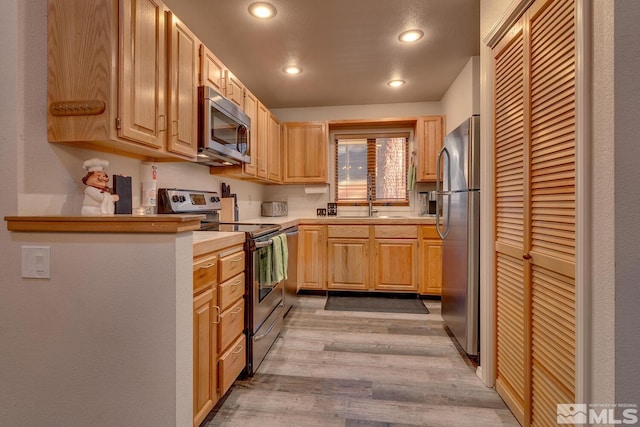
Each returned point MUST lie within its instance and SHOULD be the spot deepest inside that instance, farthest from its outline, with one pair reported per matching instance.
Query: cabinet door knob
(526, 256)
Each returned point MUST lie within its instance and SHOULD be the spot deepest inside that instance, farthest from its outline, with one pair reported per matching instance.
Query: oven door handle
(273, 325)
(264, 244)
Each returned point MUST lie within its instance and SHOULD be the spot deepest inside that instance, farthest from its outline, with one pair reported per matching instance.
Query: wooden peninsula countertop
(105, 224)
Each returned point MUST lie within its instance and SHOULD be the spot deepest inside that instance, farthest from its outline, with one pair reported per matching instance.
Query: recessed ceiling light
(395, 83)
(262, 10)
(410, 36)
(292, 69)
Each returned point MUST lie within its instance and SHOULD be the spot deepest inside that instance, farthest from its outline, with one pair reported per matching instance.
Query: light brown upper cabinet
(183, 89)
(234, 89)
(251, 109)
(274, 170)
(429, 141)
(97, 105)
(305, 152)
(262, 140)
(211, 70)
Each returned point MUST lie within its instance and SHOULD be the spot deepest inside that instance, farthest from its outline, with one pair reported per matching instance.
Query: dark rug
(376, 304)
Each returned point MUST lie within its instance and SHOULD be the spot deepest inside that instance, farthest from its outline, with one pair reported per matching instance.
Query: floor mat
(375, 304)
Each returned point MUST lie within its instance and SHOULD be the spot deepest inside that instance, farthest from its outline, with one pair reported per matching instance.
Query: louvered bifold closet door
(552, 183)
(509, 220)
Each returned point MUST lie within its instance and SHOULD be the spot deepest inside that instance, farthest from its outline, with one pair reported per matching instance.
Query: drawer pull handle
(207, 266)
(237, 310)
(237, 259)
(236, 283)
(217, 320)
(238, 350)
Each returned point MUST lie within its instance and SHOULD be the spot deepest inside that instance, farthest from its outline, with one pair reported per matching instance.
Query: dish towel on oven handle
(280, 258)
(265, 265)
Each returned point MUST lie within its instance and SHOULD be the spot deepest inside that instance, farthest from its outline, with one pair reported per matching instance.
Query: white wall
(603, 342)
(627, 199)
(462, 99)
(358, 112)
(107, 340)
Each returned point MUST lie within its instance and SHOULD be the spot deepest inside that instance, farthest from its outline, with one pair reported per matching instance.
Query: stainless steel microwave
(223, 130)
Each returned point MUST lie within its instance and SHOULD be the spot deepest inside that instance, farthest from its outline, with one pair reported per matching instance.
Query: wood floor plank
(330, 368)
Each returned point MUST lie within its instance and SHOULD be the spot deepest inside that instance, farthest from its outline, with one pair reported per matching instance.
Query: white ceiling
(348, 49)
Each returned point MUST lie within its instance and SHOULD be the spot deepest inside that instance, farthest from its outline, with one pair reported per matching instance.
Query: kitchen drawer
(396, 232)
(230, 291)
(205, 272)
(231, 364)
(348, 231)
(429, 232)
(231, 325)
(230, 265)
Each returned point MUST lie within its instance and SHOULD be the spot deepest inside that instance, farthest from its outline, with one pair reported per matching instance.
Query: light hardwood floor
(333, 368)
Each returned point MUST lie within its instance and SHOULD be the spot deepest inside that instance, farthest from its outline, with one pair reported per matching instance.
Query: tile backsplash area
(304, 200)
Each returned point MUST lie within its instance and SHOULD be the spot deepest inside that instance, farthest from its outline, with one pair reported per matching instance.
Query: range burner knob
(212, 199)
(183, 199)
(175, 199)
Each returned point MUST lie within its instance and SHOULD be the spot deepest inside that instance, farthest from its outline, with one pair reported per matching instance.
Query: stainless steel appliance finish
(291, 282)
(223, 130)
(460, 231)
(264, 299)
(266, 309)
(274, 209)
(173, 200)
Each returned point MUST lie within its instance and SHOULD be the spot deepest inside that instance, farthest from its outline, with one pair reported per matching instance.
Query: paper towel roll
(148, 179)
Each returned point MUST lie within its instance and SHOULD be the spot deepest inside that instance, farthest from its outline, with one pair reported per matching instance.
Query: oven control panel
(172, 200)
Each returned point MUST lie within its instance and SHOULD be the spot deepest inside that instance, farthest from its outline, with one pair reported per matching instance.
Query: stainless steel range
(264, 299)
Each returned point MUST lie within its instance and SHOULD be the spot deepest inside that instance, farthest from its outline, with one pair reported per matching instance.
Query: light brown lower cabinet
(231, 363)
(385, 258)
(218, 281)
(205, 381)
(430, 261)
(348, 257)
(231, 325)
(396, 258)
(312, 252)
(395, 265)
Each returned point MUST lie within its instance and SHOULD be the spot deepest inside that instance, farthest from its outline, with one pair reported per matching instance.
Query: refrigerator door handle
(442, 235)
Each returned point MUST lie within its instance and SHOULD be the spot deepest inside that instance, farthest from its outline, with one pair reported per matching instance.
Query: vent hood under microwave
(223, 130)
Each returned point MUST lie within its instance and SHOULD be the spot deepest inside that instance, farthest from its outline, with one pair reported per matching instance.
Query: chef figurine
(98, 199)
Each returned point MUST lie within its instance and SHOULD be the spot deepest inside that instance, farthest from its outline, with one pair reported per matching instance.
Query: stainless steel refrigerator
(459, 228)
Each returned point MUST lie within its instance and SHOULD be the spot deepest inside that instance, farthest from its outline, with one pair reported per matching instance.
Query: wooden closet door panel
(552, 183)
(510, 221)
(510, 333)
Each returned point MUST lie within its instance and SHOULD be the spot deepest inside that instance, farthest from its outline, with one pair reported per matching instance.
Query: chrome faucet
(370, 194)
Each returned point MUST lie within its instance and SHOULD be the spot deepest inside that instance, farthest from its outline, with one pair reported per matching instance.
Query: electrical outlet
(36, 262)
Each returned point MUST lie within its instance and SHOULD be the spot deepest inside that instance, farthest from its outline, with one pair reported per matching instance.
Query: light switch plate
(36, 262)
